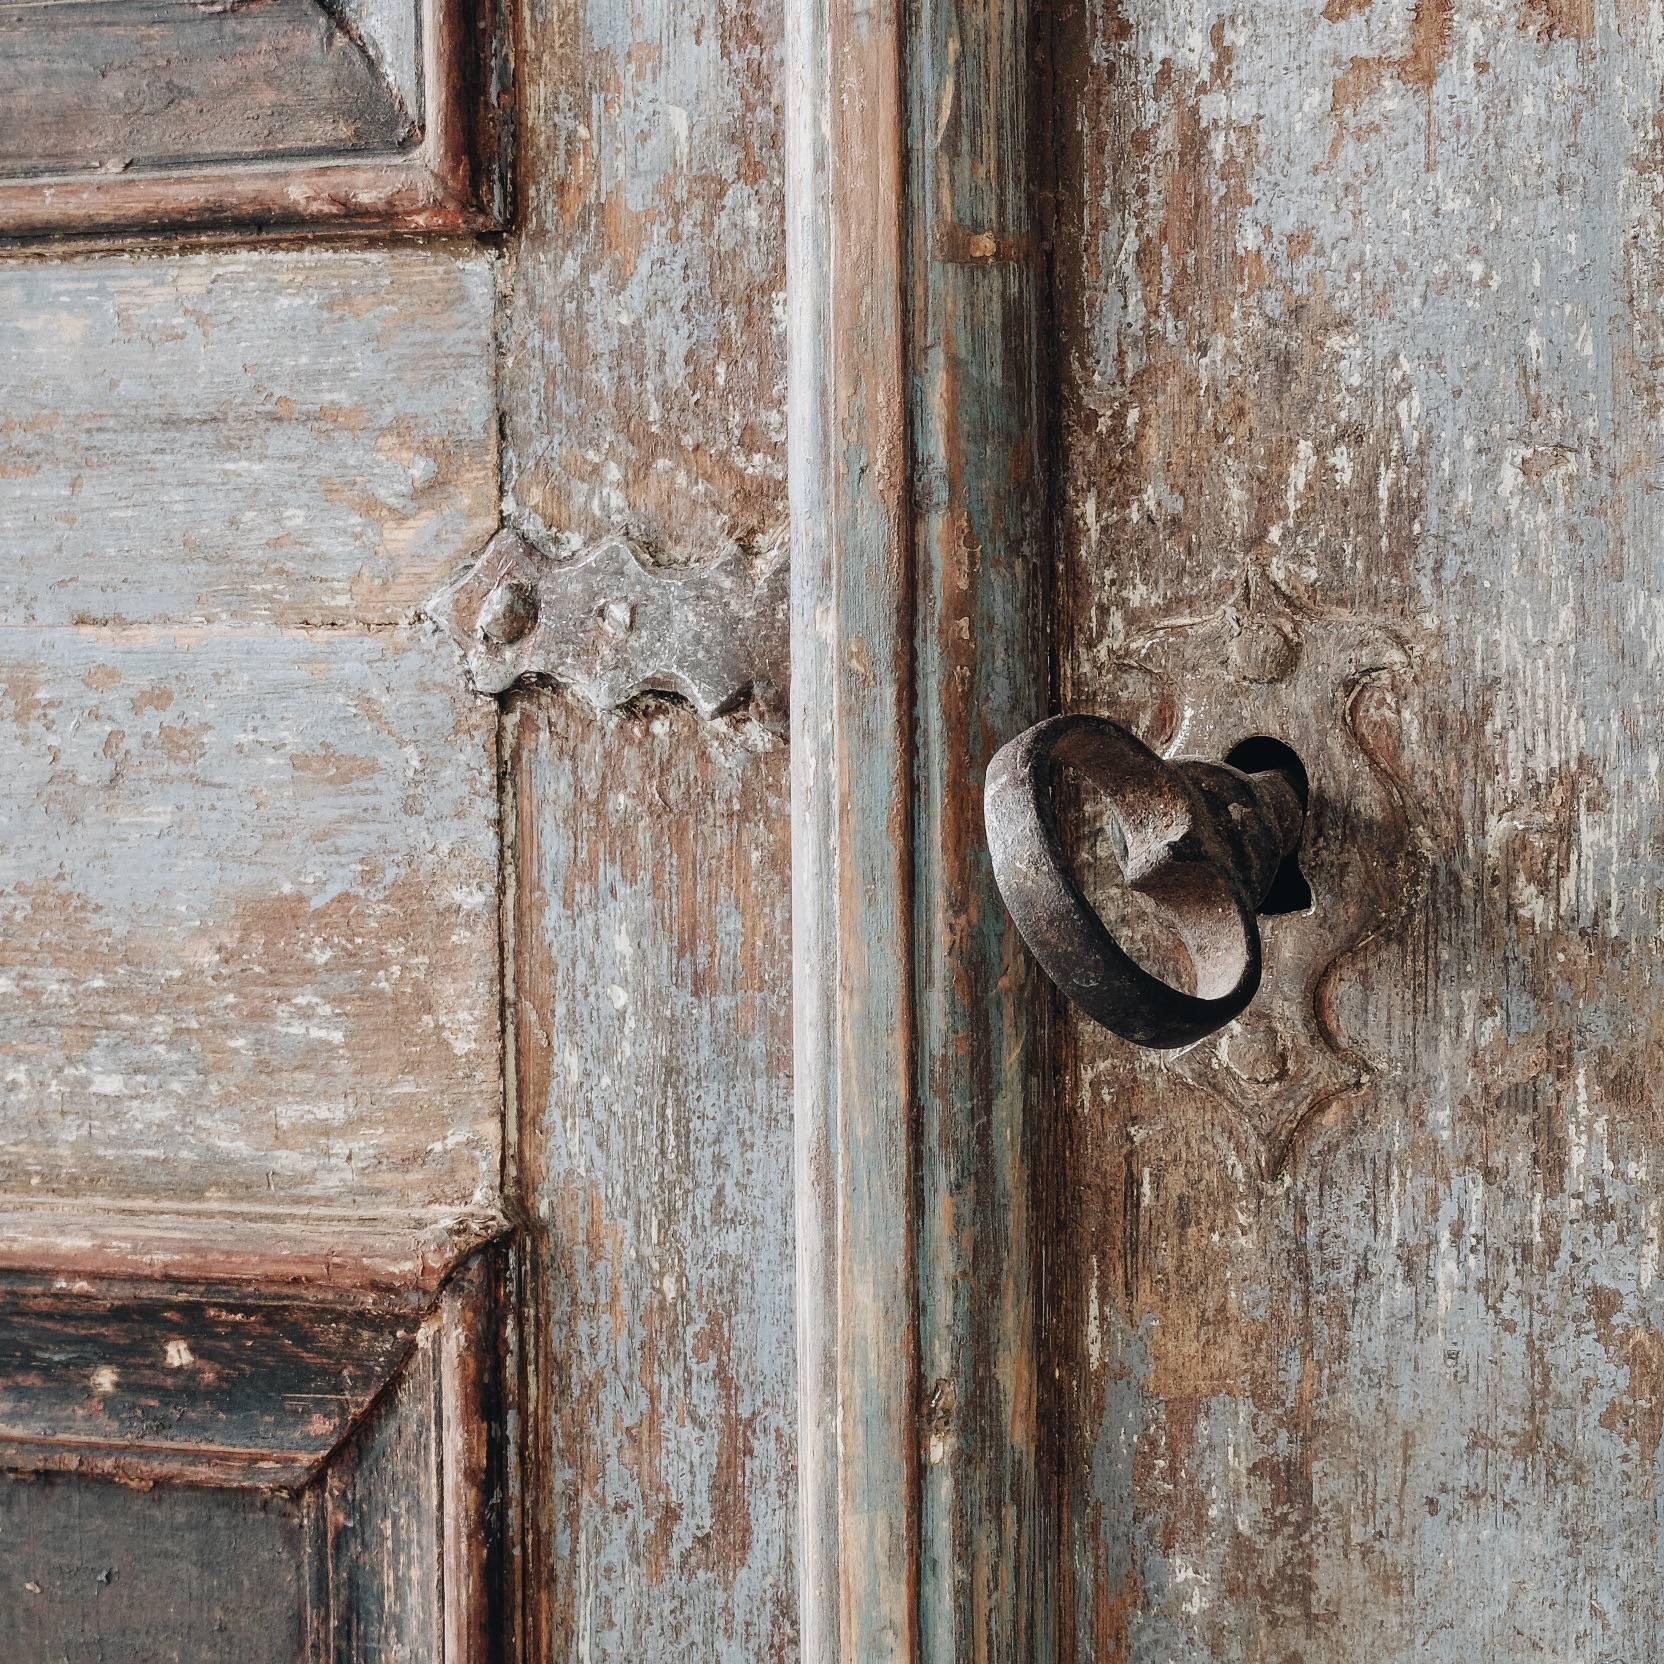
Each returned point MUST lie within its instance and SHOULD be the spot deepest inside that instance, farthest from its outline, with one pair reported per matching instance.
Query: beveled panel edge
(454, 181)
(348, 1307)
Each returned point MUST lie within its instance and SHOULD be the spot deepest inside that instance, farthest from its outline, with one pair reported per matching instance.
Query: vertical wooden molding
(471, 1462)
(853, 1021)
(982, 674)
(918, 644)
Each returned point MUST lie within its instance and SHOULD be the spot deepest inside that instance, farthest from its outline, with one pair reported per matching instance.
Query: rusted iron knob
(1203, 841)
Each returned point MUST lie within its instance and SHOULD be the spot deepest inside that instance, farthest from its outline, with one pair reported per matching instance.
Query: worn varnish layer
(249, 886)
(644, 331)
(250, 850)
(168, 116)
(213, 1382)
(652, 1024)
(918, 579)
(982, 555)
(1367, 298)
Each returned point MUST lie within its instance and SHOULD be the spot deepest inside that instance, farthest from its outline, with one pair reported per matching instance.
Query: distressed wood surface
(1364, 299)
(155, 117)
(642, 386)
(854, 1019)
(643, 322)
(918, 452)
(93, 1572)
(249, 855)
(392, 1551)
(652, 1053)
(114, 84)
(242, 438)
(249, 886)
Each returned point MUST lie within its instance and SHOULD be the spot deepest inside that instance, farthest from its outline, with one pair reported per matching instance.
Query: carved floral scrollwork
(1326, 684)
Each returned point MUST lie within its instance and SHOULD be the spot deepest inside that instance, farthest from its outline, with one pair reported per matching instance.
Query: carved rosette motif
(1326, 684)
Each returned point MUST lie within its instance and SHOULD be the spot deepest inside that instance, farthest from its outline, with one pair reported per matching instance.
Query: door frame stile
(920, 601)
(851, 631)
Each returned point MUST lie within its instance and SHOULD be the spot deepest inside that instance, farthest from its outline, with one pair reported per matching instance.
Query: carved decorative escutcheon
(1324, 685)
(1311, 823)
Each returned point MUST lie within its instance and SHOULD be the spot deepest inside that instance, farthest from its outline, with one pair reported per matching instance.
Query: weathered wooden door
(395, 1260)
(447, 987)
(1358, 1335)
(1285, 370)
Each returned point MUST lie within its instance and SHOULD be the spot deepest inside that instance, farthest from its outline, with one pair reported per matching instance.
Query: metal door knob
(1203, 841)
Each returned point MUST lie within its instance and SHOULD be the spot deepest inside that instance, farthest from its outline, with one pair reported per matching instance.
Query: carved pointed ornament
(608, 624)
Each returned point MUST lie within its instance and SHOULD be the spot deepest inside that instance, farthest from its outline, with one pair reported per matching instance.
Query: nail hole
(1260, 754)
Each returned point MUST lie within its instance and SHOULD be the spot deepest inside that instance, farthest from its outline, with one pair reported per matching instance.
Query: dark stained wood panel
(220, 1383)
(135, 84)
(652, 1017)
(392, 1550)
(1362, 301)
(386, 1587)
(93, 1572)
(155, 117)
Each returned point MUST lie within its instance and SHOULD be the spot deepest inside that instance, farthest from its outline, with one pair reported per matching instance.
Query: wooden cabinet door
(1358, 1324)
(1287, 370)
(395, 1191)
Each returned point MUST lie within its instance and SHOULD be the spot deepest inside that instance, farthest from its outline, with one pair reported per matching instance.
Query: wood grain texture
(854, 1020)
(221, 1402)
(111, 84)
(652, 1048)
(1365, 299)
(249, 886)
(93, 1572)
(643, 392)
(292, 439)
(156, 117)
(644, 332)
(919, 565)
(979, 437)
